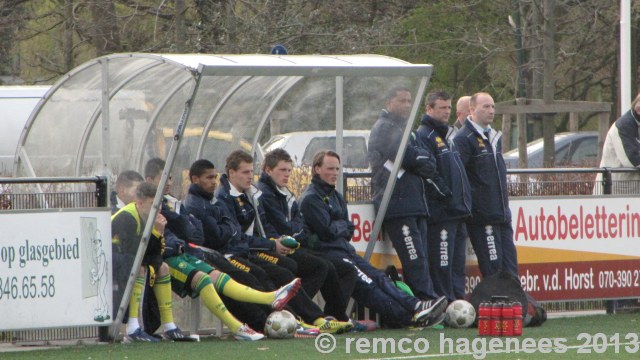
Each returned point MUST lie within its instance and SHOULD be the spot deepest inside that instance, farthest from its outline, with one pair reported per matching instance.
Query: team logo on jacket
(480, 142)
(439, 142)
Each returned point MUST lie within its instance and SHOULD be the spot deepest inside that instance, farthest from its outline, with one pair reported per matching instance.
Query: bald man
(462, 111)
(480, 149)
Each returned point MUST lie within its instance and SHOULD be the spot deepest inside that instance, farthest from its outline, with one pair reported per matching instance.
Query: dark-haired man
(405, 221)
(446, 230)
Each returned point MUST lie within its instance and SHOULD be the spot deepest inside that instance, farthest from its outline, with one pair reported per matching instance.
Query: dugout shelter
(116, 112)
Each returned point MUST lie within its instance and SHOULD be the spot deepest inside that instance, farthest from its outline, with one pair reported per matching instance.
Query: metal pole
(625, 55)
(340, 128)
(154, 210)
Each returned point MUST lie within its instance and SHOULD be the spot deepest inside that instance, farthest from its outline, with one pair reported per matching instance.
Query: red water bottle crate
(500, 317)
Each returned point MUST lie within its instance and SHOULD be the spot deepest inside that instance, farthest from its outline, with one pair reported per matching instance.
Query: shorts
(182, 269)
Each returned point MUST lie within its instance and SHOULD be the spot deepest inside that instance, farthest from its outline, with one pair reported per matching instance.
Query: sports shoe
(361, 326)
(247, 333)
(306, 331)
(285, 293)
(332, 326)
(173, 335)
(140, 336)
(438, 322)
(428, 312)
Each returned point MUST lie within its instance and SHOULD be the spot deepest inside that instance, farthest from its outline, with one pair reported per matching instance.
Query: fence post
(101, 191)
(607, 183)
(103, 201)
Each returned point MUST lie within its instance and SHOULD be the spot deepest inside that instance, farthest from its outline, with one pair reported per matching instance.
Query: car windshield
(354, 154)
(275, 142)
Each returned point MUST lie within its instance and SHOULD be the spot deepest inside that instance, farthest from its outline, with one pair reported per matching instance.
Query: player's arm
(317, 217)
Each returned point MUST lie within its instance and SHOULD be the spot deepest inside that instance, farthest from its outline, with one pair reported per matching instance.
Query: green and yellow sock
(136, 295)
(134, 304)
(162, 289)
(227, 286)
(212, 301)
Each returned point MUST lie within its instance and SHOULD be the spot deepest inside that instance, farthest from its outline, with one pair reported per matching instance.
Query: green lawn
(593, 337)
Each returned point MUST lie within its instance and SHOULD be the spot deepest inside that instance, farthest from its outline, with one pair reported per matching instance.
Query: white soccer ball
(280, 325)
(460, 314)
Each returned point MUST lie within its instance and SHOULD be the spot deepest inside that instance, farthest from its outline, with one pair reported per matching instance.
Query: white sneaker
(286, 293)
(247, 333)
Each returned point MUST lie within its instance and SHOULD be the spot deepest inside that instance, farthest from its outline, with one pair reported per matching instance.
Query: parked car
(302, 145)
(573, 149)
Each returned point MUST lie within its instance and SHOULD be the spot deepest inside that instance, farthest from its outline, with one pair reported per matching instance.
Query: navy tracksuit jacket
(327, 220)
(405, 221)
(489, 228)
(446, 230)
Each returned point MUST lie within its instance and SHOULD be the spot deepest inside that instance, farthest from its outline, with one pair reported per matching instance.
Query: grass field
(592, 337)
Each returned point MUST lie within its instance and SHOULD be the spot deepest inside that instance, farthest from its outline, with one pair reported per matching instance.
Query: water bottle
(507, 319)
(484, 312)
(517, 319)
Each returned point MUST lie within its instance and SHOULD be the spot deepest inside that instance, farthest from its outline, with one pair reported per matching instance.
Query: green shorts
(182, 269)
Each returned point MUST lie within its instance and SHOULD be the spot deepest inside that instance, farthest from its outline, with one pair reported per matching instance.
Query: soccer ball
(280, 325)
(460, 314)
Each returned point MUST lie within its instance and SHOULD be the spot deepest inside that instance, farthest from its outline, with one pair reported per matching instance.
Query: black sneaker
(140, 336)
(428, 312)
(173, 335)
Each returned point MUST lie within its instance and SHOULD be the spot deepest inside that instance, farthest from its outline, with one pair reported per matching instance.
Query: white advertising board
(568, 248)
(55, 269)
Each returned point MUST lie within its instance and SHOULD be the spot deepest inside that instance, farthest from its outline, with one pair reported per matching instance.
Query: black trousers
(311, 269)
(337, 286)
(280, 271)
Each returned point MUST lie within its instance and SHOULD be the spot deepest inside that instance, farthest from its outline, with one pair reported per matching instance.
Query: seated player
(125, 189)
(326, 215)
(126, 226)
(280, 215)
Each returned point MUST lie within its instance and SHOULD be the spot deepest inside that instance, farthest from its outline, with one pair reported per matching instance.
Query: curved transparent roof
(115, 112)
